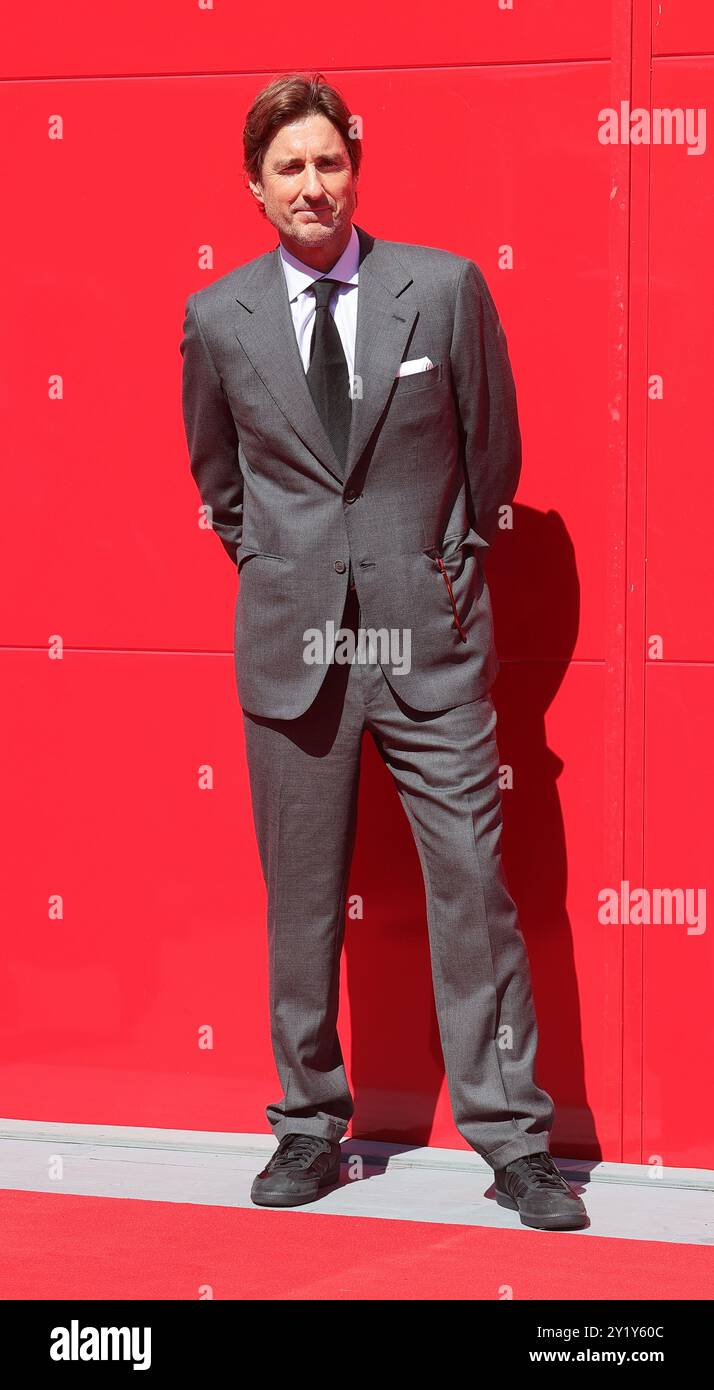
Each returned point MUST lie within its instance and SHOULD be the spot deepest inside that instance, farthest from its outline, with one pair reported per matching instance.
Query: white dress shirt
(343, 301)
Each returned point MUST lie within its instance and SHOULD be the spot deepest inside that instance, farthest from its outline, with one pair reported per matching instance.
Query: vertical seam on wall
(614, 779)
(632, 1002)
(645, 466)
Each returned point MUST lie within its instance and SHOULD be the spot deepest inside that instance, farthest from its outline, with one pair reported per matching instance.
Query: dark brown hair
(289, 98)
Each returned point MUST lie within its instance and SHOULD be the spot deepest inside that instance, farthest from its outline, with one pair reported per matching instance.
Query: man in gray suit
(352, 428)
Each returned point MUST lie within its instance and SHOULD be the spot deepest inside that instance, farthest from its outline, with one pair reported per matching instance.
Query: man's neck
(320, 258)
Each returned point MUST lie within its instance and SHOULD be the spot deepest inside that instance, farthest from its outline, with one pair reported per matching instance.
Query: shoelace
(297, 1147)
(545, 1170)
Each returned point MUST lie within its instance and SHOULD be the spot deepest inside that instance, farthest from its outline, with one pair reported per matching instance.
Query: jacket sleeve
(211, 435)
(486, 401)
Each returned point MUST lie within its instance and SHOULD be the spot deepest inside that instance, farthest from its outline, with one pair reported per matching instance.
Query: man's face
(307, 186)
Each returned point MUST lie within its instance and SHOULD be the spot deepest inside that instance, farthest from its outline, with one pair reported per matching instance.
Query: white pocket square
(417, 364)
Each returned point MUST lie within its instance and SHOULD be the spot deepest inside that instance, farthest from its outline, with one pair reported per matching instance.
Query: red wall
(480, 130)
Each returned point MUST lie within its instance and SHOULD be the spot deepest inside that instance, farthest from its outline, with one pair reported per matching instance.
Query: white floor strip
(454, 1186)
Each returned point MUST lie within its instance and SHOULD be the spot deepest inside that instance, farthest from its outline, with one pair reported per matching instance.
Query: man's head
(303, 165)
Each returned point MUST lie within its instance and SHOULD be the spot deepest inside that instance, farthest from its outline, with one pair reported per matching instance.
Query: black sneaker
(533, 1186)
(300, 1166)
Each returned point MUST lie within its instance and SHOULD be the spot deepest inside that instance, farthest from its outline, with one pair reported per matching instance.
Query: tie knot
(322, 289)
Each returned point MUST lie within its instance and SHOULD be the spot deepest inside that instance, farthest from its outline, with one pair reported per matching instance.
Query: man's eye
(323, 164)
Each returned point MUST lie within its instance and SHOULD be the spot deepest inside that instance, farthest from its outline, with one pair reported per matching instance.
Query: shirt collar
(299, 276)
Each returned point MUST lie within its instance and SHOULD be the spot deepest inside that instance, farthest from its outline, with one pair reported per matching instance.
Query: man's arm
(486, 399)
(211, 435)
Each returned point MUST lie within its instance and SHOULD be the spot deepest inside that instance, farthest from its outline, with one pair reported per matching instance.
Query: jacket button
(350, 496)
(340, 566)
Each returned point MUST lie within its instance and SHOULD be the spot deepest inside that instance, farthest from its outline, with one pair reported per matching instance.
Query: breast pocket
(418, 381)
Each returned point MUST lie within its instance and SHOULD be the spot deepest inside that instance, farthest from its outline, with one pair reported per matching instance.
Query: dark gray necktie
(327, 374)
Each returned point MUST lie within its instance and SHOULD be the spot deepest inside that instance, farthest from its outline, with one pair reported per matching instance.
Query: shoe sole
(544, 1223)
(295, 1199)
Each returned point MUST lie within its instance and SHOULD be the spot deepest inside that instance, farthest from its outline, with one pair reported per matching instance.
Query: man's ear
(257, 191)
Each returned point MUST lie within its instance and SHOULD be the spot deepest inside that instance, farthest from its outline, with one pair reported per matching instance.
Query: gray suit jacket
(432, 457)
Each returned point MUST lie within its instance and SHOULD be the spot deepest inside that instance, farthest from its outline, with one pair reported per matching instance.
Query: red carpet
(57, 1246)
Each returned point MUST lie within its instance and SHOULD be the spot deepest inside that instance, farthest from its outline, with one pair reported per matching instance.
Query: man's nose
(312, 186)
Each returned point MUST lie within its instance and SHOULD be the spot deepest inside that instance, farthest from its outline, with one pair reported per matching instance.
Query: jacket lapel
(384, 324)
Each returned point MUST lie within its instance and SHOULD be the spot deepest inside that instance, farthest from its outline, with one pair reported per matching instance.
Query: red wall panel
(112, 447)
(678, 976)
(680, 493)
(123, 37)
(682, 26)
(480, 133)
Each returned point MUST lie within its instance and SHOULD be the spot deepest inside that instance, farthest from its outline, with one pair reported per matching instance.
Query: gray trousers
(304, 776)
